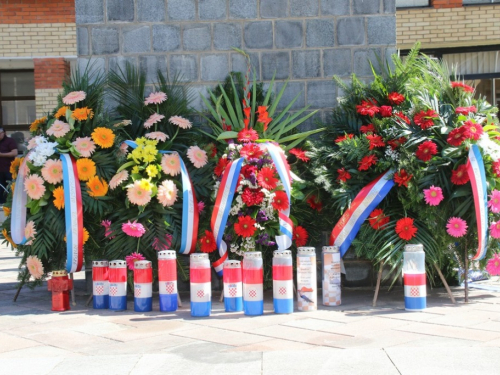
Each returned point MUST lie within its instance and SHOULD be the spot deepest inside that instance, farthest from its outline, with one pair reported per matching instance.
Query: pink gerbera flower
(85, 146)
(117, 179)
(33, 185)
(156, 98)
(456, 227)
(433, 196)
(29, 232)
(167, 193)
(132, 258)
(197, 156)
(493, 265)
(35, 266)
(170, 164)
(58, 129)
(494, 202)
(123, 149)
(74, 97)
(158, 136)
(201, 206)
(181, 122)
(133, 229)
(137, 195)
(153, 119)
(495, 229)
(52, 171)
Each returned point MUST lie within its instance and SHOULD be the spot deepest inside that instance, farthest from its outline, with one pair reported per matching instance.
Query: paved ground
(350, 339)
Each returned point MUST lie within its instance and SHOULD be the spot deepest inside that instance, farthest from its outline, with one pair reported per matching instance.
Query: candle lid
(142, 264)
(166, 254)
(117, 264)
(306, 250)
(331, 249)
(232, 264)
(100, 263)
(282, 254)
(59, 273)
(252, 255)
(198, 256)
(412, 248)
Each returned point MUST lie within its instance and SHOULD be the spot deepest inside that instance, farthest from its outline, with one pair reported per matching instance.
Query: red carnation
(280, 201)
(377, 219)
(251, 151)
(367, 129)
(460, 176)
(405, 228)
(245, 227)
(252, 197)
(386, 111)
(402, 178)
(396, 98)
(207, 243)
(403, 117)
(456, 136)
(368, 108)
(462, 85)
(367, 162)
(315, 203)
(300, 236)
(247, 135)
(472, 130)
(375, 141)
(221, 166)
(395, 143)
(267, 179)
(343, 138)
(299, 154)
(343, 175)
(496, 167)
(465, 110)
(425, 119)
(426, 150)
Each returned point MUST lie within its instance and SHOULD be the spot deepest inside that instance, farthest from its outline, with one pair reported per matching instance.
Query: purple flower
(261, 216)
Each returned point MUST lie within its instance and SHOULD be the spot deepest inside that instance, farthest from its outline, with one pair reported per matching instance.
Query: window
(472, 2)
(411, 3)
(17, 99)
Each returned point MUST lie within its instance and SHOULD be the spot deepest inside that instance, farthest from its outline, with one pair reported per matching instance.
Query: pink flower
(494, 202)
(201, 206)
(33, 185)
(170, 164)
(74, 97)
(52, 171)
(137, 195)
(181, 122)
(33, 142)
(85, 146)
(134, 229)
(35, 266)
(167, 193)
(493, 266)
(123, 149)
(58, 129)
(132, 258)
(159, 136)
(107, 229)
(456, 227)
(495, 229)
(156, 98)
(197, 156)
(117, 179)
(433, 196)
(158, 246)
(153, 119)
(29, 232)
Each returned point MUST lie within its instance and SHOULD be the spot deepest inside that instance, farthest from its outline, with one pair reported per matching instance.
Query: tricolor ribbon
(18, 212)
(477, 175)
(190, 215)
(365, 202)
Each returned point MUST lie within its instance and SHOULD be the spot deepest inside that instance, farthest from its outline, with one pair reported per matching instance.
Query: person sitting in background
(8, 151)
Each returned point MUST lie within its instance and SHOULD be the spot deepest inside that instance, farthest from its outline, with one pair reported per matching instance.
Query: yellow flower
(36, 124)
(135, 169)
(150, 153)
(61, 112)
(152, 170)
(145, 184)
(6, 211)
(14, 166)
(58, 194)
(86, 235)
(86, 169)
(7, 237)
(103, 137)
(97, 187)
(82, 114)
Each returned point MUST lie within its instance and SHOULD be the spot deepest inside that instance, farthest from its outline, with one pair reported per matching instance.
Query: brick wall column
(446, 3)
(49, 76)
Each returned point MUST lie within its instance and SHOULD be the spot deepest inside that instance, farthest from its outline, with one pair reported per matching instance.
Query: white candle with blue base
(201, 286)
(167, 280)
(143, 286)
(118, 285)
(233, 287)
(100, 282)
(282, 282)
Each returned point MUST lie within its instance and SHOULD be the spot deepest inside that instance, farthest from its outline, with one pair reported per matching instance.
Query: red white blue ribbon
(73, 214)
(365, 202)
(477, 175)
(19, 200)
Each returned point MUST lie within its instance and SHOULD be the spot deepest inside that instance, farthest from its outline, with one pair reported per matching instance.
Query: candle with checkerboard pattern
(143, 286)
(233, 288)
(282, 282)
(118, 285)
(307, 299)
(167, 280)
(100, 281)
(331, 276)
(253, 278)
(201, 286)
(414, 278)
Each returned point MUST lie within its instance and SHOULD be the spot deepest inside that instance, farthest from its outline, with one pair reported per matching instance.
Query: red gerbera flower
(368, 108)
(395, 98)
(403, 117)
(425, 119)
(314, 203)
(247, 135)
(367, 129)
(245, 227)
(375, 141)
(386, 111)
(472, 130)
(247, 170)
(207, 242)
(299, 154)
(300, 236)
(343, 175)
(456, 136)
(465, 110)
(395, 143)
(266, 178)
(280, 201)
(251, 151)
(377, 219)
(496, 167)
(402, 178)
(367, 162)
(462, 85)
(460, 176)
(221, 166)
(405, 228)
(343, 138)
(252, 197)
(426, 150)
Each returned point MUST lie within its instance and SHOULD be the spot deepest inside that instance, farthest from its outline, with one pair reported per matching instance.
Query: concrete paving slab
(378, 339)
(315, 324)
(372, 324)
(447, 331)
(222, 336)
(108, 364)
(135, 333)
(35, 366)
(471, 319)
(424, 341)
(273, 345)
(41, 351)
(10, 342)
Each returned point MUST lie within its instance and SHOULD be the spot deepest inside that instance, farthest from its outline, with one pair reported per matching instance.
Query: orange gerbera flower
(86, 235)
(36, 124)
(103, 137)
(61, 112)
(58, 195)
(86, 169)
(97, 187)
(82, 114)
(6, 211)
(14, 166)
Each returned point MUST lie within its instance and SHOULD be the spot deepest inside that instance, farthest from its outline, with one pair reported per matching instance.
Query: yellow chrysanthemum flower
(58, 195)
(97, 187)
(61, 112)
(103, 137)
(86, 169)
(82, 114)
(145, 184)
(152, 170)
(35, 125)
(135, 169)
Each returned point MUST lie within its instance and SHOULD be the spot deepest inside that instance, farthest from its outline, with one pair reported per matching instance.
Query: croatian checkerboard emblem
(99, 290)
(137, 292)
(200, 293)
(414, 292)
(252, 293)
(282, 291)
(232, 291)
(113, 290)
(170, 288)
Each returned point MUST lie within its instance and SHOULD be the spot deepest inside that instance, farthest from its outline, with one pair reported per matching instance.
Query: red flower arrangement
(378, 219)
(386, 111)
(207, 242)
(425, 119)
(375, 141)
(280, 201)
(426, 150)
(251, 151)
(402, 178)
(299, 154)
(460, 176)
(465, 110)
(472, 130)
(221, 166)
(252, 197)
(267, 178)
(403, 117)
(463, 86)
(456, 137)
(395, 98)
(368, 108)
(343, 138)
(365, 129)
(314, 203)
(300, 236)
(395, 143)
(405, 228)
(245, 227)
(343, 175)
(367, 162)
(247, 135)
